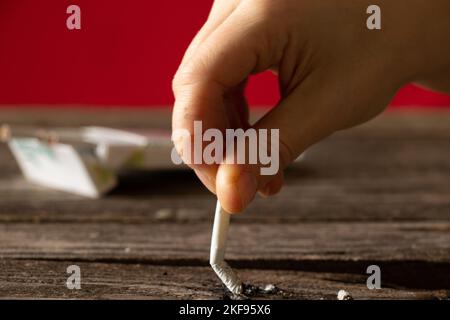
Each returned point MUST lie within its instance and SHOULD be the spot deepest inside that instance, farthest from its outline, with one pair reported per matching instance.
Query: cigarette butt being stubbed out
(217, 254)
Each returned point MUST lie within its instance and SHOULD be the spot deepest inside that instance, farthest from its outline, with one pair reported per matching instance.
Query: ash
(250, 291)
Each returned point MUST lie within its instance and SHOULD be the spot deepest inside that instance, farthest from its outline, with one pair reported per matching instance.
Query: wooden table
(375, 195)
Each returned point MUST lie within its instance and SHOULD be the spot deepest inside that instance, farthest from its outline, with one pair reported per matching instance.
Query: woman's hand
(333, 72)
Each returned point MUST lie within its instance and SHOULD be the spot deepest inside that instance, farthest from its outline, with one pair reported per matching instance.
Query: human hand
(333, 72)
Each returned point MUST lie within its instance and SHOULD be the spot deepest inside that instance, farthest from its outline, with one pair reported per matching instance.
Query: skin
(333, 74)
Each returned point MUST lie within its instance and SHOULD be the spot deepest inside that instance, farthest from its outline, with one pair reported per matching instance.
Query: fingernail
(246, 186)
(265, 191)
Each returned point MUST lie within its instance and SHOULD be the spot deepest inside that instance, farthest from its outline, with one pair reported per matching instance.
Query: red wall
(125, 54)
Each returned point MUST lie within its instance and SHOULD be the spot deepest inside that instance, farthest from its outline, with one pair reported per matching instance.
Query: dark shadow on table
(178, 182)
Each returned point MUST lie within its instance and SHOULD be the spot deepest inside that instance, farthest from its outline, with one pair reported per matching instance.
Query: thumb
(302, 119)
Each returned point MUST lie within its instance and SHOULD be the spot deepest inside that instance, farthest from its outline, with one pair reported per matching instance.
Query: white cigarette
(217, 254)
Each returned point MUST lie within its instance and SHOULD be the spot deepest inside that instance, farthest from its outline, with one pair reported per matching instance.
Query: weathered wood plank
(432, 122)
(46, 279)
(378, 194)
(390, 186)
(85, 116)
(248, 242)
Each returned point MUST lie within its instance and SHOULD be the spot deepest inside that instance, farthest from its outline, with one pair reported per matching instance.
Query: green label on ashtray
(32, 149)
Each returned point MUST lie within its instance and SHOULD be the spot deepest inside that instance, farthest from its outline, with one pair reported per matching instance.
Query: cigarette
(5, 133)
(217, 254)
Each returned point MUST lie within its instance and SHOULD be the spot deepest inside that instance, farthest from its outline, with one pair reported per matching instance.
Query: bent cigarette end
(217, 254)
(228, 277)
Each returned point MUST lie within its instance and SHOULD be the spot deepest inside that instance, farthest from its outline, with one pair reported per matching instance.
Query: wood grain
(378, 194)
(291, 241)
(47, 279)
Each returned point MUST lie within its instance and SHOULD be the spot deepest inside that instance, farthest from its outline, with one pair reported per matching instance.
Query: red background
(125, 54)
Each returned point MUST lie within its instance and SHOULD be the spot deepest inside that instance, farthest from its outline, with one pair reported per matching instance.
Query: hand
(333, 72)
